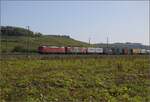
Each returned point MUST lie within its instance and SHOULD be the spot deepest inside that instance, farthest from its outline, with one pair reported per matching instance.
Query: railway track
(58, 56)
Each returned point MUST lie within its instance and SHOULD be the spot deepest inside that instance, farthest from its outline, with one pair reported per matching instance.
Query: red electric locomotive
(51, 50)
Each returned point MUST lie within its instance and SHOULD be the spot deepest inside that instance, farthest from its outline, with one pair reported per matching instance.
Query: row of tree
(17, 31)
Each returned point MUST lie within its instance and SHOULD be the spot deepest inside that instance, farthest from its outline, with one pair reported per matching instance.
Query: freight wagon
(117, 51)
(126, 51)
(83, 50)
(71, 50)
(91, 50)
(99, 50)
(107, 51)
(76, 50)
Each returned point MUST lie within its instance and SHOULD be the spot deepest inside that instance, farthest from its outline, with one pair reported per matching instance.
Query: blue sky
(121, 21)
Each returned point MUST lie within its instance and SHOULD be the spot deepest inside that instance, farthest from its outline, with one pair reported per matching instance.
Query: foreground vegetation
(103, 79)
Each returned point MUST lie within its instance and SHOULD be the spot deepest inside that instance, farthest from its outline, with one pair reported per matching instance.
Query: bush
(19, 49)
(22, 49)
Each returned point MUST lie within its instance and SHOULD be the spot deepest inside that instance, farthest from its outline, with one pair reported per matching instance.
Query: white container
(98, 50)
(148, 51)
(143, 51)
(91, 50)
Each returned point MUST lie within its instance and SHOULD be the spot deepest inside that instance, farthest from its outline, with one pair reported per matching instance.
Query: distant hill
(15, 39)
(122, 45)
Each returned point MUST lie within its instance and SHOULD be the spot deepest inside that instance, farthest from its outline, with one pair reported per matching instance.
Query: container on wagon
(83, 50)
(143, 51)
(113, 50)
(136, 51)
(126, 51)
(147, 51)
(73, 50)
(99, 50)
(91, 50)
(130, 51)
(117, 51)
(76, 49)
(107, 51)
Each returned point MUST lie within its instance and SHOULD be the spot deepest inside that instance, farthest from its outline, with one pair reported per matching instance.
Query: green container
(117, 51)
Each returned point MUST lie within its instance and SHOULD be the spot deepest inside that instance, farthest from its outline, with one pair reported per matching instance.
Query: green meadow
(97, 79)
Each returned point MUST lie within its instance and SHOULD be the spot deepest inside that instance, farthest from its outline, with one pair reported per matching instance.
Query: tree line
(17, 31)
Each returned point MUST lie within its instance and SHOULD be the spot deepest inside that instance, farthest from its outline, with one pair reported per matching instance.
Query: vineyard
(73, 79)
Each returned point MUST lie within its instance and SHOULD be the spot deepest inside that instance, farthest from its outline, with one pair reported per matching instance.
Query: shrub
(19, 49)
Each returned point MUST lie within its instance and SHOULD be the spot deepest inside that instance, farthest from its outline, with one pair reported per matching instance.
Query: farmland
(77, 79)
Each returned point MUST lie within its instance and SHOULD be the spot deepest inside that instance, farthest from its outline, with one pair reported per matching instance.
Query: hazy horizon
(121, 21)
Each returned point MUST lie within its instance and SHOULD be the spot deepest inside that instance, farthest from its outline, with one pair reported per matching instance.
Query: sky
(120, 21)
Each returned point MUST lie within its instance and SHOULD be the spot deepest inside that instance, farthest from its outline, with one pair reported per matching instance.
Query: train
(45, 49)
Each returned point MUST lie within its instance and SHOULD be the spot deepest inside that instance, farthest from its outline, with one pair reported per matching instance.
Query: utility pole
(107, 42)
(28, 35)
(0, 30)
(149, 33)
(107, 45)
(6, 37)
(0, 40)
(89, 40)
(6, 41)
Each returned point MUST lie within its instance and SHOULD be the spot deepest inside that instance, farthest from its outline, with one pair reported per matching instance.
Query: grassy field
(103, 79)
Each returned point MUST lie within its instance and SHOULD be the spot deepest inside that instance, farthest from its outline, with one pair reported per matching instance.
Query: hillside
(19, 41)
(16, 39)
(122, 45)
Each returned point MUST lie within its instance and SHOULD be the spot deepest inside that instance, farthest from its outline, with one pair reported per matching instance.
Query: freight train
(91, 50)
